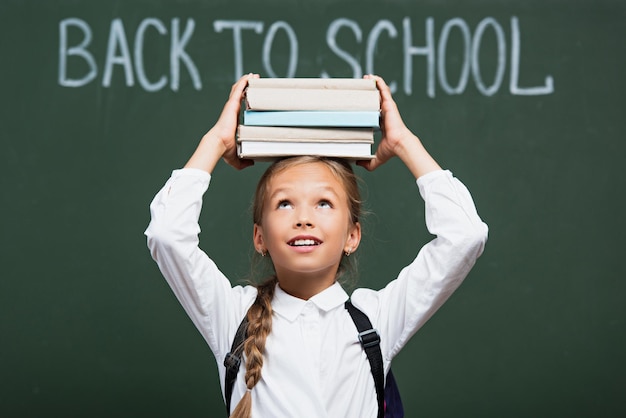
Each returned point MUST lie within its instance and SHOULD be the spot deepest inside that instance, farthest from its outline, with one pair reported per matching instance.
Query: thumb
(369, 165)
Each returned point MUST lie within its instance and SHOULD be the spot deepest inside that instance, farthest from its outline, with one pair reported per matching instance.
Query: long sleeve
(172, 235)
(441, 265)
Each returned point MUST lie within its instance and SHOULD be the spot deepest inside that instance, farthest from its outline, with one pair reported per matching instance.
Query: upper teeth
(304, 242)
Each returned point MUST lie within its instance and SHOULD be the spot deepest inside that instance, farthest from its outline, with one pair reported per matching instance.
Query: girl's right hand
(225, 128)
(220, 140)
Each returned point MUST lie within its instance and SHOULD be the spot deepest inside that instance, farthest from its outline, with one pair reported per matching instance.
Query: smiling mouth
(304, 242)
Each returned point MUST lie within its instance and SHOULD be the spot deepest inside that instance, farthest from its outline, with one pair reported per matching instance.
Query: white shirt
(314, 365)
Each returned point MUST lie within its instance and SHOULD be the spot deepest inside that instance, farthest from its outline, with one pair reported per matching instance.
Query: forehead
(307, 176)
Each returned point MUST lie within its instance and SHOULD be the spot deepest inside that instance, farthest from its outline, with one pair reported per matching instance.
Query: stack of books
(333, 117)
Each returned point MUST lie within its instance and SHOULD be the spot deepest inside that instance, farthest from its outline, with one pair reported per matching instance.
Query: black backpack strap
(232, 361)
(370, 340)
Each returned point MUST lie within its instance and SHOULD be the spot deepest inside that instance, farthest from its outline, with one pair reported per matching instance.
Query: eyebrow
(287, 189)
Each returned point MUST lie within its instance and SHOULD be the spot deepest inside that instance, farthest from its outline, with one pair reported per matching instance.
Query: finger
(364, 163)
(236, 94)
(238, 163)
(382, 86)
(239, 86)
(387, 103)
(369, 165)
(244, 163)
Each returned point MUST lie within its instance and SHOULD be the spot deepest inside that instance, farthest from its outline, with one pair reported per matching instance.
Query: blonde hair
(260, 313)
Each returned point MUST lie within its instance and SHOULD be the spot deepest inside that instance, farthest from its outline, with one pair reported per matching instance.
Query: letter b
(78, 50)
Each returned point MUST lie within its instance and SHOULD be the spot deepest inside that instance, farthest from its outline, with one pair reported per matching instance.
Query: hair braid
(259, 327)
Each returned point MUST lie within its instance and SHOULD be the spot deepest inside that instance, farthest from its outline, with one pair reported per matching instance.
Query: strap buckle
(232, 361)
(369, 338)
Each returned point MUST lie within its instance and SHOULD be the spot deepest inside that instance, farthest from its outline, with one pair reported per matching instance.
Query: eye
(324, 204)
(284, 204)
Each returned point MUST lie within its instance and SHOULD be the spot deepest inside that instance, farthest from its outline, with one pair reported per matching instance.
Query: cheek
(273, 225)
(337, 224)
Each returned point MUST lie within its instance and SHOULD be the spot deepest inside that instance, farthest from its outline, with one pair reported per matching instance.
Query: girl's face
(306, 224)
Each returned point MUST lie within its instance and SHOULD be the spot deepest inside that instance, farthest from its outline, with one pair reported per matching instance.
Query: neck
(304, 286)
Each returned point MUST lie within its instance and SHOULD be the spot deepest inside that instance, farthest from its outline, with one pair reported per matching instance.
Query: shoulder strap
(370, 340)
(232, 361)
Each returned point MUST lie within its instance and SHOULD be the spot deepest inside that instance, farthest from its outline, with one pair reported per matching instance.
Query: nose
(303, 220)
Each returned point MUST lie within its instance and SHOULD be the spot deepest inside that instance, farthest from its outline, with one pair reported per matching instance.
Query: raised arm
(219, 141)
(172, 236)
(397, 139)
(441, 265)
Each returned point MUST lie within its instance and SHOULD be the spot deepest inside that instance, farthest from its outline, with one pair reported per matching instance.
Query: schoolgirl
(302, 356)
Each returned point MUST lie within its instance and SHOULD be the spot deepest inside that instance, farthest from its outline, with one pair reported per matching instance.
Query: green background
(88, 326)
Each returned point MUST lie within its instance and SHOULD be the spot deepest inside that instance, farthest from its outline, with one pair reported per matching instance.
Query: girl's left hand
(397, 139)
(393, 129)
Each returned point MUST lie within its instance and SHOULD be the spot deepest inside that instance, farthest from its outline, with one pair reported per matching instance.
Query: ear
(257, 238)
(354, 238)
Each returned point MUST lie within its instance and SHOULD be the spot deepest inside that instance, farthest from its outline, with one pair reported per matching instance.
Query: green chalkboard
(523, 101)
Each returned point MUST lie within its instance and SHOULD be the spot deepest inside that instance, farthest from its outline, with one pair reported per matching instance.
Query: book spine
(247, 132)
(311, 99)
(364, 119)
(314, 83)
(270, 139)
(254, 149)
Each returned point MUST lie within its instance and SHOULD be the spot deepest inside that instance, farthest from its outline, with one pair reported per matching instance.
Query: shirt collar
(290, 307)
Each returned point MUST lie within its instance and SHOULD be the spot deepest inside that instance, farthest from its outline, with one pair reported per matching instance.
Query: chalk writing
(118, 54)
(78, 66)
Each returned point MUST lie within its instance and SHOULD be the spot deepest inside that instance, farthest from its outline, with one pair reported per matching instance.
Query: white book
(252, 149)
(293, 134)
(312, 99)
(314, 83)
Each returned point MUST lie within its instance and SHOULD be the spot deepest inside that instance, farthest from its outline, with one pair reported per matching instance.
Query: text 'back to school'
(424, 54)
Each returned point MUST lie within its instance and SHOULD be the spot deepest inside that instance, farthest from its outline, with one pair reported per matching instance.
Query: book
(259, 149)
(346, 119)
(327, 117)
(313, 83)
(284, 133)
(311, 99)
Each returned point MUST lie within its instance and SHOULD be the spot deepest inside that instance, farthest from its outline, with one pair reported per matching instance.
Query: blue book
(346, 119)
